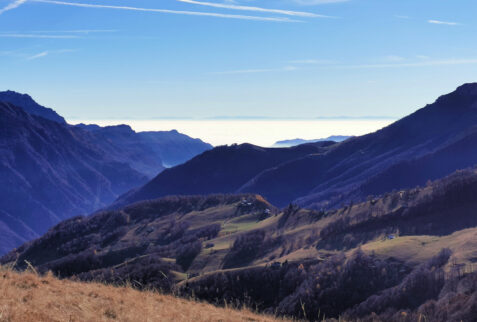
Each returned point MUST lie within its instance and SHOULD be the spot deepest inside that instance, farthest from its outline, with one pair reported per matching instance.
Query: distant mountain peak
(469, 89)
(28, 104)
(10, 92)
(123, 128)
(299, 141)
(463, 99)
(466, 91)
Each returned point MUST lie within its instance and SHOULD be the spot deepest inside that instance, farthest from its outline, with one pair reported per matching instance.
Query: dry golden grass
(27, 297)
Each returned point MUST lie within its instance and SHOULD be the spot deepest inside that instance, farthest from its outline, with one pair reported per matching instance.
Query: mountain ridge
(342, 172)
(30, 106)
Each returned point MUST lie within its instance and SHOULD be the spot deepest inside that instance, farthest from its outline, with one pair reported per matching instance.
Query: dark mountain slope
(13, 232)
(30, 106)
(51, 171)
(222, 170)
(334, 177)
(414, 172)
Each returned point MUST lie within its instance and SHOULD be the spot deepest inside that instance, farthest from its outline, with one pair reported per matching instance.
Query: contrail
(12, 5)
(256, 9)
(177, 12)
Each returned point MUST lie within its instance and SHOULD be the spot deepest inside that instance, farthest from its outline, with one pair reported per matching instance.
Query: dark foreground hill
(426, 145)
(409, 251)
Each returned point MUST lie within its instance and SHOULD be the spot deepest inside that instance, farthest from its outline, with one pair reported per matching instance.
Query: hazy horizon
(259, 132)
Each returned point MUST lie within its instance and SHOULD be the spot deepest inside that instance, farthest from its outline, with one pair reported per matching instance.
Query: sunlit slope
(28, 297)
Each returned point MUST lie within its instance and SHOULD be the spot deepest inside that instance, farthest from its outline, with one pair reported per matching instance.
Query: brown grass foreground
(27, 297)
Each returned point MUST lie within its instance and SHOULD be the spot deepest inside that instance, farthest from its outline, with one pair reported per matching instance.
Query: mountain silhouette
(30, 106)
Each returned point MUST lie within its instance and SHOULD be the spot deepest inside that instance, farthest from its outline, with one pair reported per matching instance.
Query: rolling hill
(402, 252)
(222, 170)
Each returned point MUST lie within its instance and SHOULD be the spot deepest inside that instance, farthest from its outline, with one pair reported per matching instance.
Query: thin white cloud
(38, 36)
(424, 63)
(49, 52)
(256, 71)
(78, 31)
(439, 22)
(177, 12)
(255, 9)
(402, 17)
(423, 57)
(13, 5)
(318, 2)
(20, 54)
(42, 54)
(12, 53)
(312, 62)
(394, 58)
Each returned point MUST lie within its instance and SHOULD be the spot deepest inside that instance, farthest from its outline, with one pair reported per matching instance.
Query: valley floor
(27, 297)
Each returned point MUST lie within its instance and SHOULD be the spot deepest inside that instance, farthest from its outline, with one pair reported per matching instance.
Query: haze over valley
(262, 132)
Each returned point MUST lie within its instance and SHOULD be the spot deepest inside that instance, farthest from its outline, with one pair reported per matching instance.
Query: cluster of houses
(248, 204)
(245, 202)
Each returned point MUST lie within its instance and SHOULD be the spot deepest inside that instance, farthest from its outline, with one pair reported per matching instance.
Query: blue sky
(281, 58)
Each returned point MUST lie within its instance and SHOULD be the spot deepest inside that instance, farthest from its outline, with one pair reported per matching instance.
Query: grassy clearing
(230, 227)
(416, 249)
